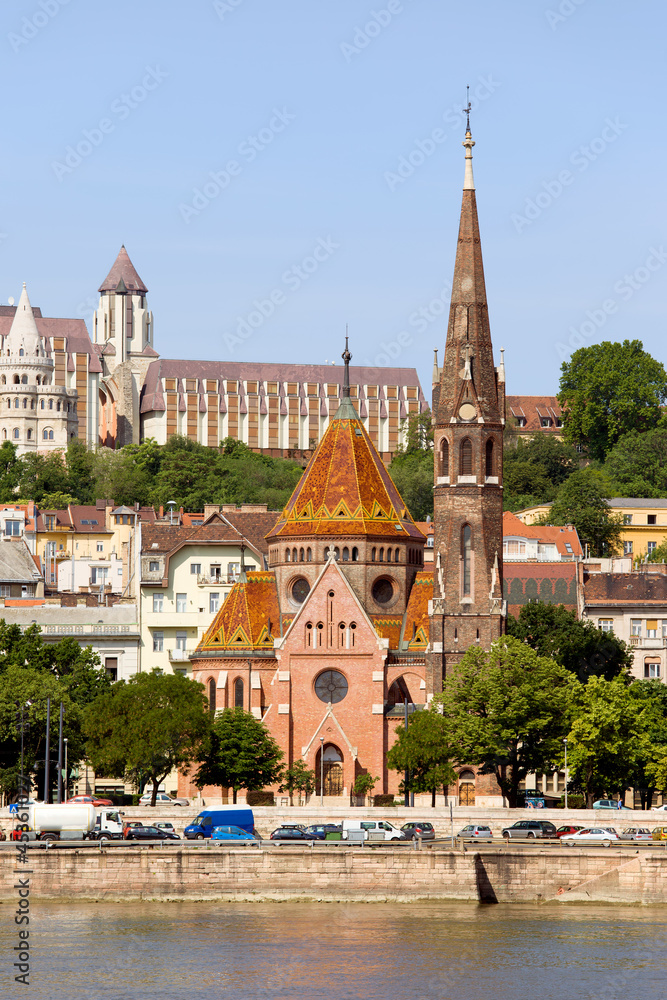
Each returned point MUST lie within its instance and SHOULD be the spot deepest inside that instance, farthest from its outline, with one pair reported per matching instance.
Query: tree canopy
(581, 647)
(241, 753)
(534, 470)
(582, 501)
(422, 750)
(412, 466)
(608, 390)
(507, 711)
(637, 464)
(144, 728)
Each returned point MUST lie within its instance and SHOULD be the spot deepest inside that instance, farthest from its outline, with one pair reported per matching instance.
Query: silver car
(531, 829)
(475, 832)
(636, 834)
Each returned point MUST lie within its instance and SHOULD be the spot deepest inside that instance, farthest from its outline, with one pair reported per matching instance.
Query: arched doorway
(331, 769)
(466, 788)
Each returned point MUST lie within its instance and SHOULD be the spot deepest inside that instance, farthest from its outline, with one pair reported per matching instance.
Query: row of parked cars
(570, 834)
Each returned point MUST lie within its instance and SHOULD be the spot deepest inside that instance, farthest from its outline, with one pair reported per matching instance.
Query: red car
(93, 799)
(563, 831)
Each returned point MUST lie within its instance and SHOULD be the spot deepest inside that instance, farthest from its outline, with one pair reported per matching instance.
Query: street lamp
(65, 782)
(565, 742)
(321, 770)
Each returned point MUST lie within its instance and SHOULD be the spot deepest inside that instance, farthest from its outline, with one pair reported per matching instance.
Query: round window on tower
(331, 686)
(299, 590)
(383, 590)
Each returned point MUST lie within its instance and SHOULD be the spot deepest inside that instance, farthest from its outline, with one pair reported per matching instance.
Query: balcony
(179, 655)
(657, 643)
(221, 580)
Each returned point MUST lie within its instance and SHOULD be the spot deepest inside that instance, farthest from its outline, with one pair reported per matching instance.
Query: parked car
(475, 832)
(530, 829)
(128, 823)
(609, 804)
(94, 799)
(231, 833)
(568, 828)
(424, 829)
(662, 808)
(150, 833)
(375, 830)
(636, 833)
(292, 833)
(165, 826)
(162, 799)
(600, 835)
(320, 830)
(659, 833)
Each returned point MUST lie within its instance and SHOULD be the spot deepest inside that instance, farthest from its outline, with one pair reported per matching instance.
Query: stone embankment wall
(344, 874)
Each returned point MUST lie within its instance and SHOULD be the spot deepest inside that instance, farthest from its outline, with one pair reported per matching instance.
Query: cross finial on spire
(467, 110)
(347, 357)
(468, 142)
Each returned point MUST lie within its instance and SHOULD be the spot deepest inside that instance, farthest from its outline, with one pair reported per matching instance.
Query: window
(514, 548)
(627, 519)
(627, 548)
(212, 696)
(213, 603)
(195, 569)
(545, 422)
(651, 628)
(98, 575)
(606, 624)
(664, 629)
(100, 546)
(466, 458)
(444, 457)
(181, 640)
(153, 566)
(238, 692)
(111, 667)
(16, 433)
(29, 434)
(12, 527)
(466, 557)
(489, 459)
(651, 547)
(652, 668)
(16, 403)
(355, 554)
(5, 590)
(158, 603)
(635, 626)
(158, 642)
(215, 571)
(181, 603)
(50, 404)
(652, 519)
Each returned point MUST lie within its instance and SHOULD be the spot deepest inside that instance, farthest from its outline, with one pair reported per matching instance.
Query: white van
(372, 829)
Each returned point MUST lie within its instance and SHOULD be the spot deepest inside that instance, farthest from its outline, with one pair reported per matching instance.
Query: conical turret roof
(24, 335)
(123, 276)
(345, 490)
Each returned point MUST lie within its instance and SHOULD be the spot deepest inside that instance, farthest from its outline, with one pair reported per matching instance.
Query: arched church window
(32, 404)
(353, 627)
(29, 434)
(41, 404)
(238, 692)
(25, 404)
(294, 555)
(397, 555)
(444, 457)
(466, 458)
(21, 352)
(58, 405)
(336, 553)
(309, 555)
(320, 632)
(346, 554)
(212, 696)
(24, 380)
(489, 458)
(16, 380)
(301, 554)
(16, 433)
(50, 404)
(4, 380)
(466, 559)
(288, 555)
(381, 555)
(309, 634)
(373, 551)
(355, 554)
(16, 403)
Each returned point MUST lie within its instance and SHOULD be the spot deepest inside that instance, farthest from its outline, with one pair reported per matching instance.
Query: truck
(79, 821)
(202, 827)
(366, 829)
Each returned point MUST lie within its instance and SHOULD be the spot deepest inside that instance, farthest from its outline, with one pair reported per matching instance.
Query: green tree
(533, 470)
(649, 775)
(9, 472)
(606, 739)
(582, 501)
(608, 390)
(80, 465)
(586, 651)
(298, 778)
(39, 475)
(423, 750)
(364, 784)
(241, 754)
(412, 466)
(637, 464)
(145, 728)
(507, 711)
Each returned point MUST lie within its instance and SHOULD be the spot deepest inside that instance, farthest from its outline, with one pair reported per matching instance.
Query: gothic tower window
(466, 458)
(29, 435)
(212, 693)
(309, 555)
(489, 458)
(444, 457)
(301, 555)
(288, 555)
(466, 560)
(24, 380)
(16, 403)
(238, 692)
(355, 554)
(16, 433)
(17, 380)
(346, 554)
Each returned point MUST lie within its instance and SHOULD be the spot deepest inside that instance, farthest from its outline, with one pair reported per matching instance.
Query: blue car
(231, 833)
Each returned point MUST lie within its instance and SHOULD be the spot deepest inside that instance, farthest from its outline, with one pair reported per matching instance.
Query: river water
(328, 951)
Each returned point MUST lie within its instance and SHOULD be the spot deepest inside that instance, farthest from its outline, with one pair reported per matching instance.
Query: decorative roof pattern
(416, 634)
(249, 617)
(346, 490)
(389, 627)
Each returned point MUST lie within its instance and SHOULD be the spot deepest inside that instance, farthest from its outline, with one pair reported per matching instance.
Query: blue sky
(290, 119)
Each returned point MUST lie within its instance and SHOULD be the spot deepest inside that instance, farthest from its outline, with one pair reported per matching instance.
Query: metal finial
(468, 109)
(347, 357)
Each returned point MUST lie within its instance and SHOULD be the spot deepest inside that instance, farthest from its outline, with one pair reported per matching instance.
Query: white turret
(23, 339)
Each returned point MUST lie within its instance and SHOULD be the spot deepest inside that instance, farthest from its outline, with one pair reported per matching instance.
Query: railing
(178, 655)
(89, 629)
(216, 580)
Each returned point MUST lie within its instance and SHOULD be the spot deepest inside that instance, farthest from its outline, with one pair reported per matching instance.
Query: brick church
(345, 624)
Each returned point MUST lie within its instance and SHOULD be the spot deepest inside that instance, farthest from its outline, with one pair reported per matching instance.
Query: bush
(260, 799)
(574, 801)
(383, 801)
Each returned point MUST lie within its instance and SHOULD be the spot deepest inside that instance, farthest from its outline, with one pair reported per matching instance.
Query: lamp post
(321, 770)
(65, 781)
(565, 742)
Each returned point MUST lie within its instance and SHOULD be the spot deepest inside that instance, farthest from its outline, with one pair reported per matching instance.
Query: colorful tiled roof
(249, 617)
(388, 627)
(345, 490)
(561, 537)
(416, 634)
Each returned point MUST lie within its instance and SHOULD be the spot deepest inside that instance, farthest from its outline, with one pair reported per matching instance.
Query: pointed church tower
(122, 321)
(469, 417)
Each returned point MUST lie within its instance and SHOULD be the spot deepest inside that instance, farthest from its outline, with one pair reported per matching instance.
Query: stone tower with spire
(469, 417)
(123, 335)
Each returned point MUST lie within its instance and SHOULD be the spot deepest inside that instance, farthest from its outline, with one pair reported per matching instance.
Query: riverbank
(334, 874)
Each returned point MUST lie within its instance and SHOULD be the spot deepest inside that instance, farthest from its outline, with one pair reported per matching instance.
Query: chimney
(211, 508)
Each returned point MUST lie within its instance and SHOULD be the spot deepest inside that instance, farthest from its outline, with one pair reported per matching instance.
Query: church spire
(346, 410)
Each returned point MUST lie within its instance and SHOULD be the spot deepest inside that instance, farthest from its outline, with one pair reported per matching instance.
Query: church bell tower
(469, 417)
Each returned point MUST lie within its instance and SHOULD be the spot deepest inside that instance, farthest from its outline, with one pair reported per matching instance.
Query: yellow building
(644, 523)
